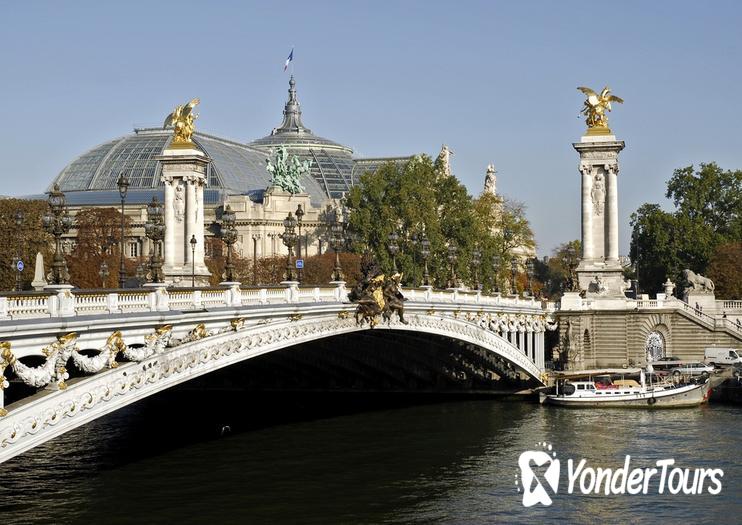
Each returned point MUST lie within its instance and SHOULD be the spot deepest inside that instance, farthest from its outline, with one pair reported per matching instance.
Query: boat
(598, 388)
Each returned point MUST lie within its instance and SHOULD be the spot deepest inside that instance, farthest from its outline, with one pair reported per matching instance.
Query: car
(693, 369)
(667, 362)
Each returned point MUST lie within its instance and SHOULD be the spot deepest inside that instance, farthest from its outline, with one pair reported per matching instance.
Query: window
(134, 249)
(580, 387)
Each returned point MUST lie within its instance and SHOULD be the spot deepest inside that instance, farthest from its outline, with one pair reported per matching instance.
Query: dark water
(164, 461)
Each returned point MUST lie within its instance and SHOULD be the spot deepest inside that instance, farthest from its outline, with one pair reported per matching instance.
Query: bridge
(72, 356)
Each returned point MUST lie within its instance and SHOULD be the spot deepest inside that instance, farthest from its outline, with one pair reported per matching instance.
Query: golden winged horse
(596, 106)
(182, 120)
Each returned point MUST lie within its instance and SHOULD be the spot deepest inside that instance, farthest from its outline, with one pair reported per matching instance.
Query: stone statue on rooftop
(490, 180)
(444, 160)
(287, 170)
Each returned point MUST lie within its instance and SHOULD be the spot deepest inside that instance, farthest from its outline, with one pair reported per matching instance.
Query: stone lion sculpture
(697, 283)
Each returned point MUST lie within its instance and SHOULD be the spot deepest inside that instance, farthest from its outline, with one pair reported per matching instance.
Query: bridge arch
(54, 413)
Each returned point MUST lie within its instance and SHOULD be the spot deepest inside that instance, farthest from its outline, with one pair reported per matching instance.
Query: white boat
(597, 388)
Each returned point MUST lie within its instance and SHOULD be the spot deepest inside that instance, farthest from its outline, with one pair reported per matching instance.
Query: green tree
(708, 208)
(557, 272)
(725, 269)
(30, 238)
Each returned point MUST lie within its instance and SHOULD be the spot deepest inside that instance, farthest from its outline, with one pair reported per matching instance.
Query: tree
(708, 208)
(30, 238)
(557, 273)
(725, 269)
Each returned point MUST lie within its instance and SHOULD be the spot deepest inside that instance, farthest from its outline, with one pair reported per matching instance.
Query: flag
(289, 59)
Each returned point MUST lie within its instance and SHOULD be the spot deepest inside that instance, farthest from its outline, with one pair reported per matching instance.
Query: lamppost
(19, 232)
(154, 229)
(393, 249)
(103, 273)
(476, 261)
(336, 243)
(193, 242)
(289, 239)
(299, 216)
(57, 221)
(425, 253)
(452, 257)
(530, 268)
(513, 271)
(123, 184)
(496, 261)
(255, 239)
(229, 237)
(141, 274)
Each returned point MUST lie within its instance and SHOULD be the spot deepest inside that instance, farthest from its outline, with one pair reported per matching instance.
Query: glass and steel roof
(331, 163)
(234, 169)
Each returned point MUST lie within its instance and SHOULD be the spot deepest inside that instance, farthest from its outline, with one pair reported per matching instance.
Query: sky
(495, 81)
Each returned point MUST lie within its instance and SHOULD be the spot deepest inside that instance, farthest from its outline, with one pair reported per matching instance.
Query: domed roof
(331, 164)
(234, 169)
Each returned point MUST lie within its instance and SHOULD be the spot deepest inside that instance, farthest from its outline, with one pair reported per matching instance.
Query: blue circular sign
(20, 266)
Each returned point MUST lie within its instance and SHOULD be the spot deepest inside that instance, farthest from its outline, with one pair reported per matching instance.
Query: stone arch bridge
(127, 345)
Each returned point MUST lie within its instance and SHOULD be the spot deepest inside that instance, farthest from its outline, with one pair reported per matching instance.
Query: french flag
(289, 59)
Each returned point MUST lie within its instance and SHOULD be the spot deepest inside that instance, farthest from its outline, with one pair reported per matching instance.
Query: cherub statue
(182, 120)
(596, 106)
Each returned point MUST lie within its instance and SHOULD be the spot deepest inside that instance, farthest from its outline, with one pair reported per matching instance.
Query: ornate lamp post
(452, 258)
(299, 216)
(103, 273)
(141, 274)
(530, 268)
(289, 240)
(425, 253)
(393, 249)
(255, 239)
(193, 243)
(229, 237)
(154, 228)
(19, 232)
(476, 261)
(336, 243)
(513, 271)
(123, 184)
(57, 221)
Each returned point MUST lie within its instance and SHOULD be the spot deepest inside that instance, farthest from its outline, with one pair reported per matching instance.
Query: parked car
(721, 356)
(666, 363)
(693, 369)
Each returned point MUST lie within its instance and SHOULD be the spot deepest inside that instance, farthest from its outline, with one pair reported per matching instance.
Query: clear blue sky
(493, 80)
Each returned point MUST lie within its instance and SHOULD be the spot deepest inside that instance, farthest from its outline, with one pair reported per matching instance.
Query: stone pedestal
(599, 272)
(704, 301)
(184, 175)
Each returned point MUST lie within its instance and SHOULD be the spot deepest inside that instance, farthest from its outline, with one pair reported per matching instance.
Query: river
(320, 459)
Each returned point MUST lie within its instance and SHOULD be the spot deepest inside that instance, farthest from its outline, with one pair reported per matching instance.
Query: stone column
(169, 206)
(200, 233)
(190, 219)
(588, 252)
(611, 215)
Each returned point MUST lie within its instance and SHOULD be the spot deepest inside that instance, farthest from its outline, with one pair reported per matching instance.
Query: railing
(729, 305)
(71, 302)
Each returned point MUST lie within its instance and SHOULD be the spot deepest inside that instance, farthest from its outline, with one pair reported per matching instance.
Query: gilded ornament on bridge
(595, 109)
(378, 297)
(182, 121)
(237, 324)
(295, 317)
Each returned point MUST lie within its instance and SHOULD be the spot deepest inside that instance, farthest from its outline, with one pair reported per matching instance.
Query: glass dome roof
(234, 169)
(331, 164)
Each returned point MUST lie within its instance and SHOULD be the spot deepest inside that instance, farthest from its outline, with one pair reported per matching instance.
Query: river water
(311, 459)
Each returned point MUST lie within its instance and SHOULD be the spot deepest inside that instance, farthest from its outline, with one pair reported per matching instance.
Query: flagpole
(291, 64)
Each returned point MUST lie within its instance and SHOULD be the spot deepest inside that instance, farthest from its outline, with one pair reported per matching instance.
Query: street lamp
(123, 184)
(476, 261)
(452, 257)
(141, 274)
(530, 269)
(393, 249)
(57, 221)
(289, 239)
(513, 270)
(425, 253)
(193, 242)
(103, 273)
(336, 243)
(255, 239)
(496, 261)
(16, 264)
(229, 237)
(299, 216)
(154, 229)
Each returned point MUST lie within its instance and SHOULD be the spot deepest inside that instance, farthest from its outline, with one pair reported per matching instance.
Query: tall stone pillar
(599, 272)
(183, 172)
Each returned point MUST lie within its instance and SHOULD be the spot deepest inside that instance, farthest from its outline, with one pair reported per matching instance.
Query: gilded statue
(595, 109)
(182, 121)
(287, 170)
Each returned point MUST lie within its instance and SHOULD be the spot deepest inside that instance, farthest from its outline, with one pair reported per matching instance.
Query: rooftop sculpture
(182, 121)
(595, 108)
(287, 171)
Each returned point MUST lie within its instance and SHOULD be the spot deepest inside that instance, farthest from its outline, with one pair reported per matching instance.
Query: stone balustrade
(75, 302)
